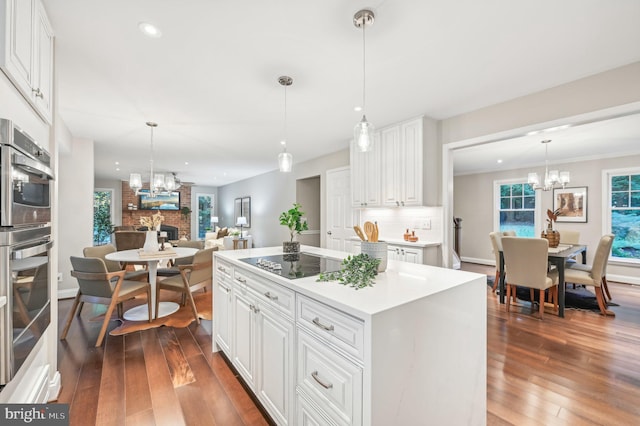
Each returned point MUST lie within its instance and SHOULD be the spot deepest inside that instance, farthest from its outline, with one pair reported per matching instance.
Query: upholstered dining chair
(594, 274)
(568, 236)
(496, 245)
(174, 265)
(194, 276)
(526, 260)
(112, 266)
(97, 285)
(128, 240)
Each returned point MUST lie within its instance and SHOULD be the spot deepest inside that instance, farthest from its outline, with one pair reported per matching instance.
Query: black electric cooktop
(295, 265)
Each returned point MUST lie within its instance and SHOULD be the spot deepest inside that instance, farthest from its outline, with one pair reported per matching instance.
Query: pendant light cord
(285, 118)
(151, 182)
(364, 68)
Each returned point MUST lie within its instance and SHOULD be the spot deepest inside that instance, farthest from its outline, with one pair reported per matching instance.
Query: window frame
(196, 227)
(607, 176)
(537, 215)
(111, 209)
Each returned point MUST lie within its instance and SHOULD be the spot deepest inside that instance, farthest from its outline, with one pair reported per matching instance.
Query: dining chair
(594, 274)
(526, 260)
(495, 238)
(128, 240)
(194, 276)
(174, 265)
(568, 236)
(98, 285)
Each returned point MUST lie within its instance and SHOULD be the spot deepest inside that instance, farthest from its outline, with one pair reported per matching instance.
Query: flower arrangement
(152, 222)
(552, 217)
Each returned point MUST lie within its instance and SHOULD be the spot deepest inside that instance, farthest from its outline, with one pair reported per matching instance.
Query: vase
(291, 247)
(150, 242)
(377, 250)
(552, 236)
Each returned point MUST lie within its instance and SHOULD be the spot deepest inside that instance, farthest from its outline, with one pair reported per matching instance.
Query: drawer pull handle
(241, 280)
(317, 379)
(255, 309)
(270, 296)
(317, 322)
(224, 288)
(221, 269)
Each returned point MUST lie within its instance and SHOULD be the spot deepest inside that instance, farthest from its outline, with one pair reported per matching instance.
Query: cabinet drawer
(309, 415)
(329, 380)
(339, 328)
(273, 294)
(223, 269)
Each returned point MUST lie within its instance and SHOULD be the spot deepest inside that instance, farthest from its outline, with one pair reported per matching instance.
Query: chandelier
(551, 177)
(157, 182)
(363, 131)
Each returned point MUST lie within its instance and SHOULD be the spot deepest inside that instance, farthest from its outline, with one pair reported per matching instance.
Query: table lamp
(241, 222)
(214, 221)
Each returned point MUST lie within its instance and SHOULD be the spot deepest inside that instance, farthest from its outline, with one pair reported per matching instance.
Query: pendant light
(156, 181)
(285, 159)
(551, 177)
(363, 132)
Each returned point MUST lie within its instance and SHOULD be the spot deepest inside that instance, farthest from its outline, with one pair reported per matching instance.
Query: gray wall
(308, 195)
(473, 201)
(274, 192)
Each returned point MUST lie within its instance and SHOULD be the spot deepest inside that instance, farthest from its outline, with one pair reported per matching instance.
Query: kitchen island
(410, 350)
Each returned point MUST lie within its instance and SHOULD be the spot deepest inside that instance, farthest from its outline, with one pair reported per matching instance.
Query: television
(162, 201)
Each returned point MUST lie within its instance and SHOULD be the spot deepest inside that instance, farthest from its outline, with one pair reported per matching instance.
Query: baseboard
(625, 279)
(55, 385)
(68, 293)
(478, 261)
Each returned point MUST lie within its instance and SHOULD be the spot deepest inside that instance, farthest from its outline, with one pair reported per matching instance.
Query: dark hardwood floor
(580, 370)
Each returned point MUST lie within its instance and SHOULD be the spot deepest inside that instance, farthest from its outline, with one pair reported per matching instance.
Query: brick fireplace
(171, 218)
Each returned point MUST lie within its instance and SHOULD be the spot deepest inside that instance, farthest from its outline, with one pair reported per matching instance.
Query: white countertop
(401, 283)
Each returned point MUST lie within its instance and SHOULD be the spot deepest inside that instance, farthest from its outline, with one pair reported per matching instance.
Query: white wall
(473, 202)
(75, 201)
(274, 192)
(591, 97)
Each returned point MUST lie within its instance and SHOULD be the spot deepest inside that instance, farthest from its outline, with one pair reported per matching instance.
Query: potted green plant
(292, 219)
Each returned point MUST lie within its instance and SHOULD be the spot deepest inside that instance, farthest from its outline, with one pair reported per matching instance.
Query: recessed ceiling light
(117, 169)
(186, 163)
(117, 163)
(149, 30)
(534, 132)
(357, 109)
(499, 161)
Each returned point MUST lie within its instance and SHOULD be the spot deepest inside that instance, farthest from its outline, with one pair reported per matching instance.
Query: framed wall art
(571, 204)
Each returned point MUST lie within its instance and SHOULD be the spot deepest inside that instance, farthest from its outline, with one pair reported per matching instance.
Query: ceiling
(210, 81)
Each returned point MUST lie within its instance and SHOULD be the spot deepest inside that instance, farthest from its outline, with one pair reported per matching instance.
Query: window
(102, 214)
(205, 214)
(516, 208)
(622, 217)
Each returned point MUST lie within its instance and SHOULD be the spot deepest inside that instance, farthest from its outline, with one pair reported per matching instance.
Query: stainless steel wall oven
(25, 174)
(25, 246)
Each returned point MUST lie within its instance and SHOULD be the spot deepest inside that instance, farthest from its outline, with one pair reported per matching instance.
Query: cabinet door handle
(227, 290)
(254, 308)
(317, 322)
(38, 93)
(270, 296)
(317, 379)
(241, 280)
(397, 251)
(402, 250)
(221, 269)
(402, 202)
(397, 204)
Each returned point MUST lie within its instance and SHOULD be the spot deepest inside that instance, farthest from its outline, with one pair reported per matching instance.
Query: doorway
(308, 196)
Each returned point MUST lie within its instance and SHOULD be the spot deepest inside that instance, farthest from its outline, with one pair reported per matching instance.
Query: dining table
(557, 256)
(151, 259)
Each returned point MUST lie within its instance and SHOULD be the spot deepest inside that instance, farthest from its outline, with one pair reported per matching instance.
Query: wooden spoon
(369, 229)
(375, 232)
(359, 232)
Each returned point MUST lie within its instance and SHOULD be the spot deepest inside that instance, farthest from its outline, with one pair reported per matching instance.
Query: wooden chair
(112, 266)
(192, 277)
(594, 274)
(526, 259)
(128, 240)
(97, 286)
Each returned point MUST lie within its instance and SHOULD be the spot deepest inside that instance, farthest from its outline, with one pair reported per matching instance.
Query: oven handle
(31, 165)
(32, 251)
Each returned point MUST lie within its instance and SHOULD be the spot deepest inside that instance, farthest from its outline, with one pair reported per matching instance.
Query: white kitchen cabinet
(401, 164)
(27, 52)
(222, 306)
(405, 254)
(261, 335)
(365, 175)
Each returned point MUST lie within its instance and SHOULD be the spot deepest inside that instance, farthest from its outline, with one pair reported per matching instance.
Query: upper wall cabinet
(392, 174)
(26, 52)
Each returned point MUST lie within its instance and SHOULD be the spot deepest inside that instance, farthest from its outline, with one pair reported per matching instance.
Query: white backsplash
(393, 222)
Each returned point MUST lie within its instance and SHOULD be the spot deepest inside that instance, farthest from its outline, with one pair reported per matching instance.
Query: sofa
(223, 238)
